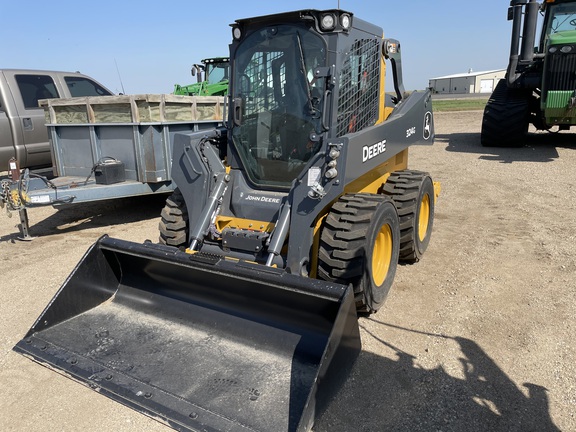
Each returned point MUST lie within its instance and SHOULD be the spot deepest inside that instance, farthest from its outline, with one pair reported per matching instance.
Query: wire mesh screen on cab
(359, 85)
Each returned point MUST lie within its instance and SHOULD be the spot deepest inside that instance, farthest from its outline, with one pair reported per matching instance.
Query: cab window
(35, 87)
(80, 87)
(280, 101)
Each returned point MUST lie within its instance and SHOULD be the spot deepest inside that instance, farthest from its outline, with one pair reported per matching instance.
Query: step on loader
(285, 224)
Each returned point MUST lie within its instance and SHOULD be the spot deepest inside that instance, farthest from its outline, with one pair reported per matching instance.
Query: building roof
(469, 74)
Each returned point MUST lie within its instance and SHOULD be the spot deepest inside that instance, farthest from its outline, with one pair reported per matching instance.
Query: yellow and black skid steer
(285, 224)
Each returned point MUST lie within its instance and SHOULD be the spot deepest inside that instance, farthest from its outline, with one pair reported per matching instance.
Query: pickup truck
(23, 133)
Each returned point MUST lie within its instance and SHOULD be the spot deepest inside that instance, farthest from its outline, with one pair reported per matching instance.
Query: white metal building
(471, 82)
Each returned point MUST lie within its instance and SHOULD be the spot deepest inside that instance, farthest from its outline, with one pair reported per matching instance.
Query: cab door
(7, 134)
(27, 89)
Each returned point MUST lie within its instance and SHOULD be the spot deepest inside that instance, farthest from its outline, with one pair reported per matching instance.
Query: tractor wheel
(506, 117)
(174, 221)
(359, 245)
(413, 194)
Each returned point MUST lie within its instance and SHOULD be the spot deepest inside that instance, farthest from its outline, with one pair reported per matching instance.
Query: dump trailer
(284, 225)
(106, 147)
(212, 76)
(540, 83)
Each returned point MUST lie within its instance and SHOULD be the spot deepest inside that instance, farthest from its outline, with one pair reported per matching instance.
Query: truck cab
(23, 133)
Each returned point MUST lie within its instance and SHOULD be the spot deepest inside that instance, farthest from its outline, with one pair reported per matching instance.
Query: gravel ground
(477, 336)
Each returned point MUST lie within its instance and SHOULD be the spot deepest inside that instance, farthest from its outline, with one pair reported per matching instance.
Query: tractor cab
(216, 70)
(560, 24)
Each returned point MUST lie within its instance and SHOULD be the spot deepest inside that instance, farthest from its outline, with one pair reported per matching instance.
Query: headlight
(345, 21)
(552, 49)
(328, 22)
(237, 33)
(566, 49)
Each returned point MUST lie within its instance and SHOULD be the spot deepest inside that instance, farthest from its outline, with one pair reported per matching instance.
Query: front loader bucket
(203, 343)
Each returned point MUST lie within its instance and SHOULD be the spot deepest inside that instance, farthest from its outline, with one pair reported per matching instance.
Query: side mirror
(197, 69)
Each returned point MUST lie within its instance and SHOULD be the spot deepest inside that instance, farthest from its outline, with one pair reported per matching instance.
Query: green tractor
(540, 83)
(214, 82)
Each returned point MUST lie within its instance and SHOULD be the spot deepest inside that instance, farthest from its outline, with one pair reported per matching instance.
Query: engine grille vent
(561, 72)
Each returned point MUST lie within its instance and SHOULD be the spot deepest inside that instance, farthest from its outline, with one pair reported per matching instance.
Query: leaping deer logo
(427, 125)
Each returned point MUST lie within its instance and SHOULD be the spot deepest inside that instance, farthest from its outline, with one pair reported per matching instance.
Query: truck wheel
(506, 117)
(174, 221)
(413, 195)
(359, 245)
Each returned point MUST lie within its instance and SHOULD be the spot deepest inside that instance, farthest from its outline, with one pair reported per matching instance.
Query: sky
(147, 47)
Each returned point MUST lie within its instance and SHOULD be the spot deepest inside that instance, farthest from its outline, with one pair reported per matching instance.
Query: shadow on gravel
(540, 147)
(383, 394)
(78, 217)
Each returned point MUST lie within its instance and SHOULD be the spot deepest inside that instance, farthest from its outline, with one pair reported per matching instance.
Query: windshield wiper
(313, 109)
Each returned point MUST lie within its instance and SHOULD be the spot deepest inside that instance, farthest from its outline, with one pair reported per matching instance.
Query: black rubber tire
(506, 117)
(413, 195)
(173, 223)
(353, 231)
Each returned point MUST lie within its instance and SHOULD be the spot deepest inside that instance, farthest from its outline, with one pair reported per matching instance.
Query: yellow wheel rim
(382, 254)
(424, 217)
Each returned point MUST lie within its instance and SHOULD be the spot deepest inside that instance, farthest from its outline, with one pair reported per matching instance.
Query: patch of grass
(458, 105)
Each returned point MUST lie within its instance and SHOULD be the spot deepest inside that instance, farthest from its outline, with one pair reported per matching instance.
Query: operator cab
(560, 26)
(286, 97)
(216, 69)
(278, 102)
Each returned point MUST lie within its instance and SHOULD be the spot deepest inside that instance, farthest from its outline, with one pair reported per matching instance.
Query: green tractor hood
(562, 38)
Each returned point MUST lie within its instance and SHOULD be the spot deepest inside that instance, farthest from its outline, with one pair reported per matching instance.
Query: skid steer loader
(285, 223)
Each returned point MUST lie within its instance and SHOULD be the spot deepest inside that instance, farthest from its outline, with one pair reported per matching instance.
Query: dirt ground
(478, 336)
